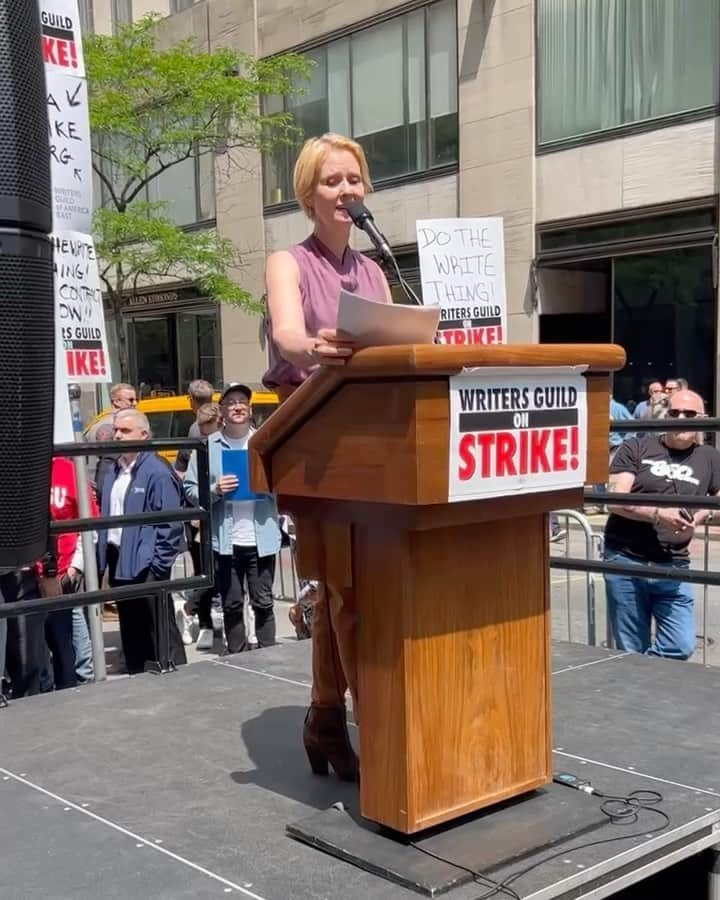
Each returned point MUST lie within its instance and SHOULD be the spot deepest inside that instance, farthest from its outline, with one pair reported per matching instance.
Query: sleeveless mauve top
(322, 276)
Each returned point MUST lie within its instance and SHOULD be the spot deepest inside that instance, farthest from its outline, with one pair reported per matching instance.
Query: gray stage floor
(181, 786)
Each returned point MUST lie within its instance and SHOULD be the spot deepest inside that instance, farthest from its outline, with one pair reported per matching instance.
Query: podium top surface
(416, 361)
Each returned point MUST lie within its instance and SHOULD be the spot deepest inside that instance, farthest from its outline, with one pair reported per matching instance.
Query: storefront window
(664, 314)
(198, 354)
(643, 280)
(152, 363)
(167, 350)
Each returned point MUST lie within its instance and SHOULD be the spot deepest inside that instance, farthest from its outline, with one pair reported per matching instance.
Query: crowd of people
(49, 651)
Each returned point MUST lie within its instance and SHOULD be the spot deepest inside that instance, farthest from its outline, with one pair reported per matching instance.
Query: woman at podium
(303, 285)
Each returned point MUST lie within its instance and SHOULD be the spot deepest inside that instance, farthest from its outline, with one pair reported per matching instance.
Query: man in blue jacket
(139, 554)
(245, 530)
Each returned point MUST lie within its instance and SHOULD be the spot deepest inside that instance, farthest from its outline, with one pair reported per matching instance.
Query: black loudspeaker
(27, 342)
(27, 376)
(24, 144)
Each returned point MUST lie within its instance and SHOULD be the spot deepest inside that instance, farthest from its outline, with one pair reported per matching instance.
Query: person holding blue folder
(245, 528)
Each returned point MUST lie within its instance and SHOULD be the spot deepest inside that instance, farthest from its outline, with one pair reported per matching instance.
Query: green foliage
(140, 245)
(152, 107)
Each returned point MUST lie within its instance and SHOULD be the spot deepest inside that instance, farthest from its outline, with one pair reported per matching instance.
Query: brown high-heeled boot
(326, 740)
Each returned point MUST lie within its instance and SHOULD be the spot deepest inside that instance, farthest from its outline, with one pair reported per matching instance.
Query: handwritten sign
(70, 151)
(516, 432)
(61, 37)
(79, 318)
(462, 267)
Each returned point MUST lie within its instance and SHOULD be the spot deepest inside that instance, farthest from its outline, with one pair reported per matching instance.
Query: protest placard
(70, 152)
(516, 432)
(79, 318)
(462, 267)
(61, 37)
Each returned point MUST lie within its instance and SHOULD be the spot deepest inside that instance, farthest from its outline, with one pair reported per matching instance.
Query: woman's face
(340, 181)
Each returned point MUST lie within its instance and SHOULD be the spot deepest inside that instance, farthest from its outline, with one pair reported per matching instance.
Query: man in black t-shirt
(674, 464)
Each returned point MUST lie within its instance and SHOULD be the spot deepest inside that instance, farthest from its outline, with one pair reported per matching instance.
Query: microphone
(363, 219)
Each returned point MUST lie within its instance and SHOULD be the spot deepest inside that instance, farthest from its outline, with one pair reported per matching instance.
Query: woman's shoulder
(279, 258)
(280, 266)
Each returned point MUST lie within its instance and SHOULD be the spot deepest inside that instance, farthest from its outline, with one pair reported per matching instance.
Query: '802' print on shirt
(661, 468)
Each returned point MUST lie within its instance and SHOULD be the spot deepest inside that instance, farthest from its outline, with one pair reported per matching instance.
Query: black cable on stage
(621, 811)
(477, 876)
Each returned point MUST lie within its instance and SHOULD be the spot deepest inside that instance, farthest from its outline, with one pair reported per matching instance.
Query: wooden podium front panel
(454, 678)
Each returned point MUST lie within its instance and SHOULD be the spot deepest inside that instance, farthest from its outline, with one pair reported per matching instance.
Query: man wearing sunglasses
(678, 465)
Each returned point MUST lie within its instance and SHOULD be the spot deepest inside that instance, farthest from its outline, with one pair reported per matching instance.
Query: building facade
(590, 126)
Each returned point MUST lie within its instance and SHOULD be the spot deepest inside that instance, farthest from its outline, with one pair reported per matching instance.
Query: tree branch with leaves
(150, 110)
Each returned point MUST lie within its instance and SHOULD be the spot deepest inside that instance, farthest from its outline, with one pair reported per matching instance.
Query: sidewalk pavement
(114, 658)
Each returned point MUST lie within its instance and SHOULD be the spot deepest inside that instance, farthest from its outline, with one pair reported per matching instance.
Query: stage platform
(182, 785)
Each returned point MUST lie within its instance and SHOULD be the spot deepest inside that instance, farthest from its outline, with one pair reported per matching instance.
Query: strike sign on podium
(420, 479)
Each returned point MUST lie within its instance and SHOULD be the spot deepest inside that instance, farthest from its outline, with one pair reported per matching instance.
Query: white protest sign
(516, 431)
(62, 417)
(462, 267)
(61, 37)
(79, 318)
(70, 156)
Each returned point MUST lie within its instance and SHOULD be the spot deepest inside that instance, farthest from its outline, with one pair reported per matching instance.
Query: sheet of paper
(374, 324)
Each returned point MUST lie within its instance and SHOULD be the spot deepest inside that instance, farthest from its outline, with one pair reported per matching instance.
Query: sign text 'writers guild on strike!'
(511, 431)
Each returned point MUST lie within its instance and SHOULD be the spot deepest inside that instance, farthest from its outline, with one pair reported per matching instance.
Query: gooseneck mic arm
(363, 219)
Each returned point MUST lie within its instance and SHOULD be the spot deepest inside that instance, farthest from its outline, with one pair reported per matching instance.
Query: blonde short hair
(208, 412)
(310, 160)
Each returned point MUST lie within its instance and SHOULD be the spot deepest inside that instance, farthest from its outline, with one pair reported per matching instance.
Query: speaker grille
(26, 410)
(24, 145)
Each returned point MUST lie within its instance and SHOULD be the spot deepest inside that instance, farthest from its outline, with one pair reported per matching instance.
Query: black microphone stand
(389, 260)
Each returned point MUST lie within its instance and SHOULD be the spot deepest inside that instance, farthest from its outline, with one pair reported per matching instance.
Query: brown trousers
(334, 648)
(334, 628)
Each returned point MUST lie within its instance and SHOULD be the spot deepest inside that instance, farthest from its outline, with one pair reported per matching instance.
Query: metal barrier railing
(158, 589)
(590, 542)
(591, 566)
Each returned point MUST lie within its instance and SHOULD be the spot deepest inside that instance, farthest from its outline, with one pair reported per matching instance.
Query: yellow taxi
(171, 416)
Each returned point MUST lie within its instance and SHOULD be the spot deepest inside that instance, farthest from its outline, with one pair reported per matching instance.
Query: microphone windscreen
(357, 211)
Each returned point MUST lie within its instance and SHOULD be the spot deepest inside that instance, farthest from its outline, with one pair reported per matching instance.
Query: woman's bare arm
(287, 322)
(282, 283)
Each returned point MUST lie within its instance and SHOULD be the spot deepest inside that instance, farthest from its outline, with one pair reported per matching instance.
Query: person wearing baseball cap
(236, 386)
(245, 529)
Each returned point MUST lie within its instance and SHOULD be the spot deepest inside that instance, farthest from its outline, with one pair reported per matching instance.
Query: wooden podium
(454, 602)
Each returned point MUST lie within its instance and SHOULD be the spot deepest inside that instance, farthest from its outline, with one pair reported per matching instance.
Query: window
(121, 11)
(87, 23)
(168, 350)
(604, 64)
(187, 188)
(644, 281)
(392, 86)
(178, 5)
